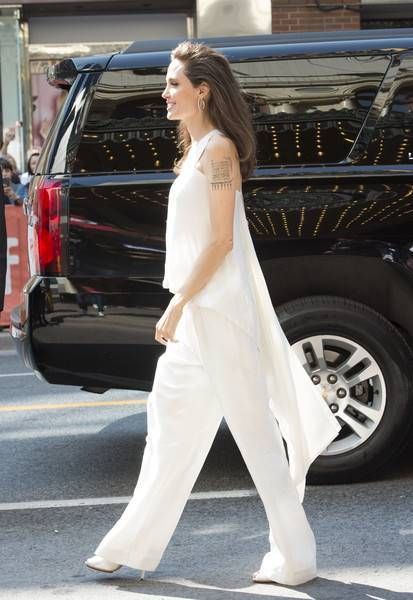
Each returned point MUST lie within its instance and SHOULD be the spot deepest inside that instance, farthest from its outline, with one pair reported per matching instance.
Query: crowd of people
(15, 184)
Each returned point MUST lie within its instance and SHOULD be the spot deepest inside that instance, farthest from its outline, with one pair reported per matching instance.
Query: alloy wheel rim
(351, 382)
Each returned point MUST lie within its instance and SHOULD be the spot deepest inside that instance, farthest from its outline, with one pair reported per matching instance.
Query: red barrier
(17, 260)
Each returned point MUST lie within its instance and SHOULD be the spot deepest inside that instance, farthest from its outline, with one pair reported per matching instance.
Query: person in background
(14, 192)
(32, 160)
(3, 245)
(8, 136)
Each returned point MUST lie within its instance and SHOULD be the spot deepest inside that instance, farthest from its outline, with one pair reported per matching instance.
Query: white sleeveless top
(238, 290)
(188, 233)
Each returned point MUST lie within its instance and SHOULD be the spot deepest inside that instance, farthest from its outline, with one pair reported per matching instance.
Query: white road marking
(55, 432)
(406, 531)
(16, 374)
(8, 353)
(75, 502)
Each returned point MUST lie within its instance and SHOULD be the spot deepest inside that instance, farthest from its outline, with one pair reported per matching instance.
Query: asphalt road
(69, 462)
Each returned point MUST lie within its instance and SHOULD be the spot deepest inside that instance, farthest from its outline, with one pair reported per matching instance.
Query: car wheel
(362, 365)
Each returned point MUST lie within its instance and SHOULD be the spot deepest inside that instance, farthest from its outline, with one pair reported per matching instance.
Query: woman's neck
(198, 130)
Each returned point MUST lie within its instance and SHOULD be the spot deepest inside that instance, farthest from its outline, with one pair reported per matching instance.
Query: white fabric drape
(306, 422)
(238, 291)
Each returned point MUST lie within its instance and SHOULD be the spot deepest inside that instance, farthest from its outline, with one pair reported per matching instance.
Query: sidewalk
(6, 341)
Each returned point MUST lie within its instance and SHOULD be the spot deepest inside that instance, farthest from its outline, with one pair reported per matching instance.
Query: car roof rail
(273, 39)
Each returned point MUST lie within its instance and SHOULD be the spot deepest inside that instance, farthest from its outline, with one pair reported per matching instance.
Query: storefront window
(11, 110)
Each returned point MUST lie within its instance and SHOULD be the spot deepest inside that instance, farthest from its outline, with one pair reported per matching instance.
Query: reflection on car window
(310, 111)
(392, 141)
(126, 128)
(305, 111)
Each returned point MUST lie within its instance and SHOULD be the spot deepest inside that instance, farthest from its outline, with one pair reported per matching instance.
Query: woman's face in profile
(181, 96)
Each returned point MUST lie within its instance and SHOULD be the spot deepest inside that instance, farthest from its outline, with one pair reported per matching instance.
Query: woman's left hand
(166, 326)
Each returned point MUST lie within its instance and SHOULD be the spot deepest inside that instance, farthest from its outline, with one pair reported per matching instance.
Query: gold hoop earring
(201, 107)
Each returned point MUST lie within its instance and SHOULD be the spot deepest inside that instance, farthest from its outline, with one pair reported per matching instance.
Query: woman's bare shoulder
(222, 143)
(220, 147)
(221, 156)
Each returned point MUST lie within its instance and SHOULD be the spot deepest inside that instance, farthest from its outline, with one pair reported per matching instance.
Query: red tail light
(45, 248)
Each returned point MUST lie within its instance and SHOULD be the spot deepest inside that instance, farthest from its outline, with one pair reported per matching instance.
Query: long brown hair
(225, 107)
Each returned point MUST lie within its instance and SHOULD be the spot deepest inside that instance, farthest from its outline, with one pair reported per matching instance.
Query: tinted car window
(305, 111)
(126, 127)
(309, 111)
(392, 141)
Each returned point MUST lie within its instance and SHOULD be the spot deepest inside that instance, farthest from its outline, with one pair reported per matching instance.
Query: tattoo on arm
(221, 175)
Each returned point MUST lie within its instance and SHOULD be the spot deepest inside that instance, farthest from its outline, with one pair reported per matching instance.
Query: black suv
(330, 209)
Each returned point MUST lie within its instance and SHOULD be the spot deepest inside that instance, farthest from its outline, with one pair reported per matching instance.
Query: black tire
(333, 315)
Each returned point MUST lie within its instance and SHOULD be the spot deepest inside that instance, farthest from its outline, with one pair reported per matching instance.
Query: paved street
(69, 462)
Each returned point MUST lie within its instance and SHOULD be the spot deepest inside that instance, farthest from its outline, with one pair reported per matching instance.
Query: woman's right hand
(166, 326)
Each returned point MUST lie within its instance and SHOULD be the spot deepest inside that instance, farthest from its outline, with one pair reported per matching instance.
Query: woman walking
(226, 354)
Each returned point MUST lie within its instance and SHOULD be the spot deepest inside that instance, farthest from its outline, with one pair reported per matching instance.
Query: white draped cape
(239, 291)
(306, 422)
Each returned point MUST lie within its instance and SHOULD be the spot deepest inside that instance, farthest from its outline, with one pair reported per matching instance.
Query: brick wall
(304, 15)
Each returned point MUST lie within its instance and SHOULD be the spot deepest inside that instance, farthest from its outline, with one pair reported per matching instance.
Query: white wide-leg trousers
(213, 371)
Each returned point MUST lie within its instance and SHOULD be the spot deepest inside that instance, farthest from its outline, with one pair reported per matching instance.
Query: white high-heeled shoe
(257, 577)
(98, 563)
